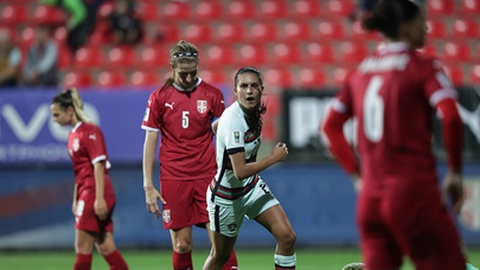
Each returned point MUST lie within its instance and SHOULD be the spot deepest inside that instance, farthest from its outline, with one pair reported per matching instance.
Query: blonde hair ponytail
(78, 105)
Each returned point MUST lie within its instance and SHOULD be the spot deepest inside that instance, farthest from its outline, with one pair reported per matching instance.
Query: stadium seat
(471, 7)
(249, 54)
(272, 9)
(168, 33)
(197, 33)
(455, 73)
(360, 35)
(154, 56)
(285, 53)
(111, 79)
(338, 7)
(475, 74)
(330, 30)
(263, 31)
(229, 32)
(14, 14)
(145, 78)
(174, 10)
(78, 79)
(105, 10)
(51, 15)
(217, 56)
(208, 10)
(27, 36)
(214, 76)
(121, 57)
(429, 49)
(436, 28)
(319, 52)
(311, 78)
(464, 28)
(101, 34)
(440, 7)
(88, 57)
(60, 35)
(65, 58)
(240, 9)
(456, 52)
(306, 8)
(351, 52)
(296, 31)
(277, 77)
(339, 75)
(147, 11)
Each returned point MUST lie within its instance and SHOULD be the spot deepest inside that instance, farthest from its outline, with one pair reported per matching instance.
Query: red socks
(182, 261)
(83, 262)
(232, 263)
(116, 261)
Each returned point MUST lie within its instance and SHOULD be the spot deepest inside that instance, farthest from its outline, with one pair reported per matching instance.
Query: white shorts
(226, 216)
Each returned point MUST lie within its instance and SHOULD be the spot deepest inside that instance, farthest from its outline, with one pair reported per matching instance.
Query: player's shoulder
(425, 60)
(90, 126)
(209, 87)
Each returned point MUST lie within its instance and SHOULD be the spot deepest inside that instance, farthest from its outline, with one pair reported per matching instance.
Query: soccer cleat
(353, 266)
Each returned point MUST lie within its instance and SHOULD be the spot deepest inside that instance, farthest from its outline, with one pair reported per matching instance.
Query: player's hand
(280, 151)
(152, 196)
(453, 190)
(357, 182)
(101, 209)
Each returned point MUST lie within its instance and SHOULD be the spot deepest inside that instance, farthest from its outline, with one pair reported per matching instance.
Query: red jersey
(392, 94)
(86, 146)
(184, 120)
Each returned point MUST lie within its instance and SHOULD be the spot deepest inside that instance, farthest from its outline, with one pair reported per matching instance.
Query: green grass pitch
(249, 259)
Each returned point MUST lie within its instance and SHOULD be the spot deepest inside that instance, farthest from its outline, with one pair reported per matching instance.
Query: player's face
(185, 74)
(418, 31)
(60, 116)
(248, 90)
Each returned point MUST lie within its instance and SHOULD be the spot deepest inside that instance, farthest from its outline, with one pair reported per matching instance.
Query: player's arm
(215, 125)
(332, 129)
(74, 203)
(100, 205)
(151, 194)
(242, 169)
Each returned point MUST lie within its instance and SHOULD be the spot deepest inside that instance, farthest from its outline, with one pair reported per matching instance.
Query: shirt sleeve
(95, 145)
(218, 104)
(234, 136)
(437, 86)
(151, 119)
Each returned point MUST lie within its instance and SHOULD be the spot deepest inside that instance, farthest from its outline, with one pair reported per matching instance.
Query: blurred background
(116, 53)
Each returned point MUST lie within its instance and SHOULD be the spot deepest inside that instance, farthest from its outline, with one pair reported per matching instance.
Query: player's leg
(220, 253)
(105, 245)
(83, 248)
(232, 263)
(182, 248)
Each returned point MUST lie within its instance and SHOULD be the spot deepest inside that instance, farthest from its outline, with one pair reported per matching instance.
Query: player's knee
(220, 258)
(287, 238)
(183, 246)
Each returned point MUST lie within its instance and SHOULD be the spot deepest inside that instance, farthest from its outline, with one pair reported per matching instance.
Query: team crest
(202, 106)
(75, 145)
(166, 216)
(232, 227)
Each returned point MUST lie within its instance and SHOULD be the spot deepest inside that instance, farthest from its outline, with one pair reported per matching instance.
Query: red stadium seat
(27, 36)
(455, 73)
(196, 33)
(465, 29)
(215, 76)
(277, 77)
(52, 15)
(429, 49)
(319, 52)
(208, 10)
(274, 9)
(436, 29)
(296, 31)
(154, 56)
(359, 34)
(440, 7)
(14, 14)
(101, 34)
(173, 10)
(285, 53)
(230, 32)
(251, 55)
(145, 78)
(217, 56)
(339, 7)
(78, 79)
(475, 74)
(105, 10)
(306, 8)
(60, 35)
(339, 75)
(65, 58)
(240, 9)
(263, 32)
(121, 57)
(352, 52)
(330, 30)
(454, 51)
(168, 33)
(147, 11)
(112, 79)
(311, 78)
(88, 57)
(471, 7)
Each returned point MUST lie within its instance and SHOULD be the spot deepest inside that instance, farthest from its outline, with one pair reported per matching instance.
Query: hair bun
(370, 22)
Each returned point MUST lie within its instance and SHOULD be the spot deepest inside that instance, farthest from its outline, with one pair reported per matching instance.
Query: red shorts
(415, 224)
(185, 203)
(85, 218)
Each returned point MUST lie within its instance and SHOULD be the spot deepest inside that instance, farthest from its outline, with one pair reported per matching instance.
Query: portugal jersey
(392, 94)
(184, 120)
(86, 146)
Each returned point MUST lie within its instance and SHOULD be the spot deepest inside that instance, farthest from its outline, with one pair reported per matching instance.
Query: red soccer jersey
(184, 120)
(86, 146)
(392, 95)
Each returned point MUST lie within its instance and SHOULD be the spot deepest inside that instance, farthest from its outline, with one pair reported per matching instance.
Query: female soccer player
(393, 95)
(237, 189)
(182, 111)
(94, 196)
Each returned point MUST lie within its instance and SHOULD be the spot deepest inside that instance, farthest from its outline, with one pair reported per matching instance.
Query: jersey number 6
(373, 108)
